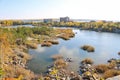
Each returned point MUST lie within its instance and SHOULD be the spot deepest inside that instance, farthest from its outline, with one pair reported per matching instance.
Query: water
(106, 45)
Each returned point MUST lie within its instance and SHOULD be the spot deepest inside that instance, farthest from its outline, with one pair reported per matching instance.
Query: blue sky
(77, 9)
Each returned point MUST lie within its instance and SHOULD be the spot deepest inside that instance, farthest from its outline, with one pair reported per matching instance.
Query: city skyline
(75, 9)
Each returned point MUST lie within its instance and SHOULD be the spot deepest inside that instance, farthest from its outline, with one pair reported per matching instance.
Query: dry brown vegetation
(31, 45)
(87, 61)
(4, 44)
(46, 43)
(112, 65)
(57, 56)
(54, 41)
(60, 63)
(111, 73)
(65, 34)
(13, 62)
(88, 48)
(12, 71)
(101, 68)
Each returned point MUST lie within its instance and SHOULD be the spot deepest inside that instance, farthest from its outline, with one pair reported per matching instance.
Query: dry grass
(4, 43)
(21, 54)
(15, 71)
(111, 73)
(88, 48)
(112, 65)
(57, 56)
(54, 41)
(48, 44)
(12, 70)
(101, 68)
(87, 61)
(31, 45)
(60, 63)
(65, 34)
(26, 56)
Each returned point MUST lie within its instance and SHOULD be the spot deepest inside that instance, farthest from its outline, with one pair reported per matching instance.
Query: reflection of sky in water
(69, 53)
(106, 46)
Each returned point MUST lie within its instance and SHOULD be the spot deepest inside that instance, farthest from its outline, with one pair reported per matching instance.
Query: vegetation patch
(101, 68)
(54, 41)
(111, 73)
(88, 48)
(87, 61)
(57, 56)
(65, 34)
(46, 43)
(60, 63)
(32, 45)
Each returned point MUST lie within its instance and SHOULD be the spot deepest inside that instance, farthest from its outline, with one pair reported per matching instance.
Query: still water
(107, 45)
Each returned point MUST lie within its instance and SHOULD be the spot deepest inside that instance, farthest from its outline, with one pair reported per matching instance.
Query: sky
(75, 9)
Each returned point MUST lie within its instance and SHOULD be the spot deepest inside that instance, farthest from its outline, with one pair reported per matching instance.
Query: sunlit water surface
(107, 45)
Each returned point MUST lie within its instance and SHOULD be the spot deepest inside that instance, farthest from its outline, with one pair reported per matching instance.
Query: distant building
(47, 20)
(64, 19)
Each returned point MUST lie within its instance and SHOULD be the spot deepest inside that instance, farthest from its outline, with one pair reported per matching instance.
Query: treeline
(8, 23)
(102, 26)
(11, 22)
(96, 26)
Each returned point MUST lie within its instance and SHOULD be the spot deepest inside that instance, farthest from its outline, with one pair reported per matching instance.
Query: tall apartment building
(64, 19)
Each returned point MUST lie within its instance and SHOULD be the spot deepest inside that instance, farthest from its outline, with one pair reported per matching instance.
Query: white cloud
(69, 53)
(40, 49)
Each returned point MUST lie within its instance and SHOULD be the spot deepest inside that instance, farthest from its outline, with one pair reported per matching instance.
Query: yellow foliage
(4, 43)
(54, 71)
(20, 77)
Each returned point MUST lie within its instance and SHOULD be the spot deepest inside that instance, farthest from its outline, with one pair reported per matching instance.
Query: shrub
(56, 56)
(84, 47)
(111, 73)
(101, 68)
(87, 61)
(88, 48)
(112, 65)
(60, 63)
(32, 45)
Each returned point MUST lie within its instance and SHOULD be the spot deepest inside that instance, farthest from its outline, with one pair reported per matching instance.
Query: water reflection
(73, 54)
(106, 46)
(69, 53)
(40, 49)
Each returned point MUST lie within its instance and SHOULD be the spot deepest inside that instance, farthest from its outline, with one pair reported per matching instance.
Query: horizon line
(59, 18)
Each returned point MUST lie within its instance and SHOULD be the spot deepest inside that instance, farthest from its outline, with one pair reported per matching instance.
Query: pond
(106, 45)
